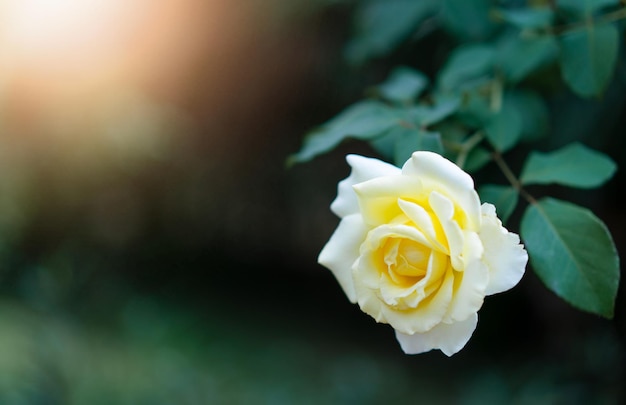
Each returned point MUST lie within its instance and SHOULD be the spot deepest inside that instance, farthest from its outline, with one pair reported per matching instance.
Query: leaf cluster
(487, 98)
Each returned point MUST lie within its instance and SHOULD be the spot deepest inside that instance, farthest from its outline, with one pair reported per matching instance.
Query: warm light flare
(67, 36)
(77, 76)
(38, 24)
(64, 63)
(75, 52)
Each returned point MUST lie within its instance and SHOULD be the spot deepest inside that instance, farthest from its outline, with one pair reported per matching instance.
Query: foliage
(155, 352)
(574, 166)
(586, 262)
(488, 100)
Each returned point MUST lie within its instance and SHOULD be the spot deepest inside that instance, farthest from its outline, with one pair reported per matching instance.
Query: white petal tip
(449, 338)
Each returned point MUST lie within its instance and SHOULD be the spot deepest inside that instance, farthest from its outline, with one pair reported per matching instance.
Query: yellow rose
(415, 249)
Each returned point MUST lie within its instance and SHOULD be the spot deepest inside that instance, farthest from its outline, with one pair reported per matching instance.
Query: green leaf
(406, 142)
(381, 24)
(477, 159)
(588, 58)
(385, 144)
(533, 111)
(476, 106)
(468, 19)
(399, 143)
(403, 85)
(411, 140)
(520, 56)
(363, 120)
(575, 165)
(503, 197)
(586, 7)
(573, 253)
(466, 63)
(505, 128)
(430, 115)
(539, 17)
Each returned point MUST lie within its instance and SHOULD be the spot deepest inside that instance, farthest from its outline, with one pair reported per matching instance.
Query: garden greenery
(483, 103)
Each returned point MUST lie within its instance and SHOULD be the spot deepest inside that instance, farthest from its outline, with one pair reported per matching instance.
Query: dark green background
(215, 295)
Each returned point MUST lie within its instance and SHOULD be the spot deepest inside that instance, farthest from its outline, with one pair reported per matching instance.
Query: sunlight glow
(62, 34)
(39, 23)
(64, 63)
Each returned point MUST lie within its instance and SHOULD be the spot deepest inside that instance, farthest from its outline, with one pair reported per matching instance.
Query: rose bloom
(415, 249)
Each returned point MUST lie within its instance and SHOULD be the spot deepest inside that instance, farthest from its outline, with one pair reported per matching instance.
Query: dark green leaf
(476, 105)
(403, 85)
(363, 120)
(528, 17)
(385, 144)
(588, 58)
(381, 24)
(411, 140)
(476, 159)
(466, 63)
(399, 143)
(503, 197)
(505, 128)
(534, 113)
(407, 141)
(452, 130)
(519, 56)
(430, 115)
(585, 7)
(468, 19)
(430, 141)
(573, 253)
(574, 165)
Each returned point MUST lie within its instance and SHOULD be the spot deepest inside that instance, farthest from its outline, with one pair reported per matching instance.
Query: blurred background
(155, 248)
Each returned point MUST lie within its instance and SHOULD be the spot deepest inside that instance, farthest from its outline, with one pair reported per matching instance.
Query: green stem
(508, 173)
(467, 146)
(613, 16)
(603, 19)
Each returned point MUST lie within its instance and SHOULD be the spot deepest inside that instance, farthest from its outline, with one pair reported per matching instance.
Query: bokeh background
(155, 248)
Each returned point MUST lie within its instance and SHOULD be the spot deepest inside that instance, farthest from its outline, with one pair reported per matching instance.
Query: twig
(508, 173)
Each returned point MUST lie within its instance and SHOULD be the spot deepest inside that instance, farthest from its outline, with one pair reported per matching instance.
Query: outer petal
(469, 285)
(342, 251)
(440, 174)
(504, 256)
(449, 338)
(378, 198)
(363, 169)
(466, 250)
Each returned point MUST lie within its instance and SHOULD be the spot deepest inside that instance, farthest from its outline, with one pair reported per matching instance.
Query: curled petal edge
(504, 255)
(442, 175)
(363, 169)
(342, 251)
(449, 338)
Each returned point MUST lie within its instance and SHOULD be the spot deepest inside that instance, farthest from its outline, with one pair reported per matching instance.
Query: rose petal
(471, 283)
(363, 169)
(372, 266)
(378, 198)
(449, 338)
(439, 174)
(342, 250)
(424, 223)
(413, 306)
(504, 256)
(371, 272)
(444, 210)
(429, 312)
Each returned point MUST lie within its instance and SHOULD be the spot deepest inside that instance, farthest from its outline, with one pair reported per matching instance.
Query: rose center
(406, 257)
